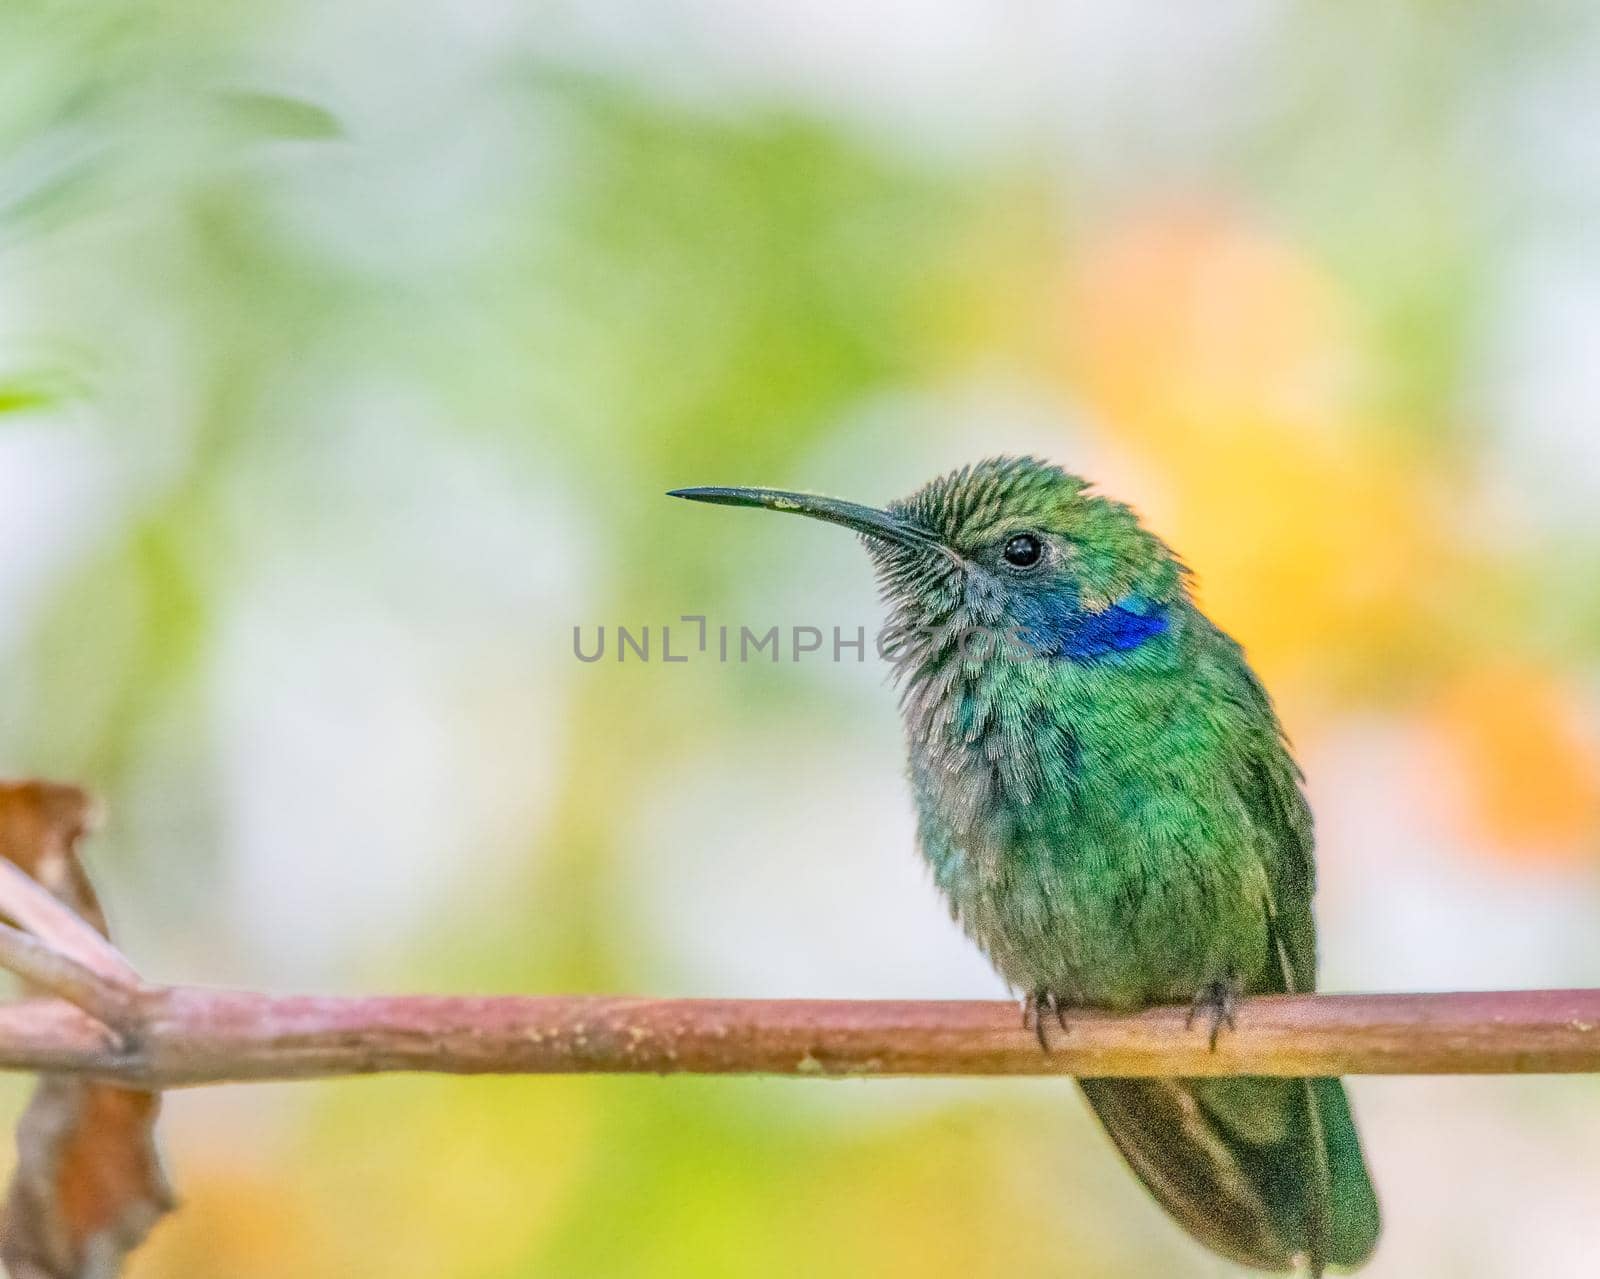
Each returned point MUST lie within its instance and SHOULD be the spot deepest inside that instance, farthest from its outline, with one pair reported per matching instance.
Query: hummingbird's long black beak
(865, 520)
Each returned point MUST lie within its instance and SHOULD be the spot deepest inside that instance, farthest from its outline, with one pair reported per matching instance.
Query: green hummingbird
(1106, 798)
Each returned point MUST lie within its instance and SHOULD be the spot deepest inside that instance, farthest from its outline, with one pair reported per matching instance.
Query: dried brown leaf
(40, 825)
(89, 1184)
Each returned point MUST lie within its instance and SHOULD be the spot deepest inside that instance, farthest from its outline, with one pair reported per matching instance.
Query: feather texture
(1117, 821)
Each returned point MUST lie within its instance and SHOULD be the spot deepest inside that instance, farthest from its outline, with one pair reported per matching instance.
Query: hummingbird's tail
(1266, 1172)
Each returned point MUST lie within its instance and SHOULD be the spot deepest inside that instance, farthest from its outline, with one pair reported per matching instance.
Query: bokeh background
(346, 351)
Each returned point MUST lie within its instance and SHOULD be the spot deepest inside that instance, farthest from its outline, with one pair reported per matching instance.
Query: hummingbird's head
(1013, 546)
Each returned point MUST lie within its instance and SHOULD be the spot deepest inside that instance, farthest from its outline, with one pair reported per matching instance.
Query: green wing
(1268, 781)
(1262, 1170)
(1343, 1207)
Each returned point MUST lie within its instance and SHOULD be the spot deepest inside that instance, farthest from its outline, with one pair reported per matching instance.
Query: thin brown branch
(34, 908)
(51, 971)
(194, 1036)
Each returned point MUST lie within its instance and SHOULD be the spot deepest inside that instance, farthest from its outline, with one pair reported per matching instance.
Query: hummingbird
(1107, 800)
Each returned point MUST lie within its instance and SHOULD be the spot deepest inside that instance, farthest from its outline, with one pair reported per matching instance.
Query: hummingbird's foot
(1036, 1005)
(1219, 1000)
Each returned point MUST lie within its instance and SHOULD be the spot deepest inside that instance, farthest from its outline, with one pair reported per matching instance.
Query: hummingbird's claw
(1220, 1000)
(1035, 1006)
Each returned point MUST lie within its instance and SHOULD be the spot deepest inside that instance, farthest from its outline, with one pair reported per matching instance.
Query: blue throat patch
(1055, 626)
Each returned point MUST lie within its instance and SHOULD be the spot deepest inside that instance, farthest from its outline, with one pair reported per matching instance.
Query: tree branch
(33, 908)
(114, 1004)
(191, 1036)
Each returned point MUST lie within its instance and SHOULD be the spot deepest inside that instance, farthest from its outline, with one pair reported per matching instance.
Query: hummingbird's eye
(1022, 551)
